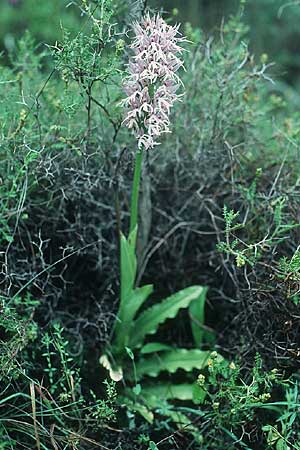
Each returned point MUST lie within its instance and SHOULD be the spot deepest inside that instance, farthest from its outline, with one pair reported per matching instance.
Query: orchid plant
(151, 89)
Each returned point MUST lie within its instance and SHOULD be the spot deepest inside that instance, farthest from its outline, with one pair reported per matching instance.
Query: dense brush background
(66, 166)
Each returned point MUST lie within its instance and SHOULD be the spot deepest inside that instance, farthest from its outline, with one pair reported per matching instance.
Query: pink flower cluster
(152, 82)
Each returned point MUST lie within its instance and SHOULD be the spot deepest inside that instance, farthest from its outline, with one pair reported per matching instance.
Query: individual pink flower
(152, 84)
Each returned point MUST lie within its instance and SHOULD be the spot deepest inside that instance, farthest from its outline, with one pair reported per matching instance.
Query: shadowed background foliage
(273, 24)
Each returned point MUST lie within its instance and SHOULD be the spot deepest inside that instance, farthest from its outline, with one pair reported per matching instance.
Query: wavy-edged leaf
(154, 394)
(127, 312)
(168, 391)
(149, 320)
(172, 361)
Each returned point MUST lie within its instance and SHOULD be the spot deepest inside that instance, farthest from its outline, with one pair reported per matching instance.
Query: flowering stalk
(151, 88)
(135, 191)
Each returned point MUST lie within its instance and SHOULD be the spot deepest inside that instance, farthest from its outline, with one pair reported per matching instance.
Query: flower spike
(152, 84)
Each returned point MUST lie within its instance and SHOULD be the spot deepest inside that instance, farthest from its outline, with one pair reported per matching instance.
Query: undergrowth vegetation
(183, 332)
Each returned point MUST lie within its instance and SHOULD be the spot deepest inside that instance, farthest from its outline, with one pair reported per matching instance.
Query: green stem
(135, 191)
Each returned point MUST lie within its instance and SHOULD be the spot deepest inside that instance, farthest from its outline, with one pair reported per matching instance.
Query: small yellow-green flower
(201, 380)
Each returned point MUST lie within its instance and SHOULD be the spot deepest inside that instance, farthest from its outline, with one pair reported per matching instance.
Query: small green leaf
(295, 299)
(137, 389)
(152, 446)
(149, 320)
(129, 353)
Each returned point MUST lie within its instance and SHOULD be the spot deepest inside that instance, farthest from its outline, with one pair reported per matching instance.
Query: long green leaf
(196, 310)
(172, 361)
(149, 320)
(169, 391)
(128, 264)
(127, 313)
(154, 347)
(128, 267)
